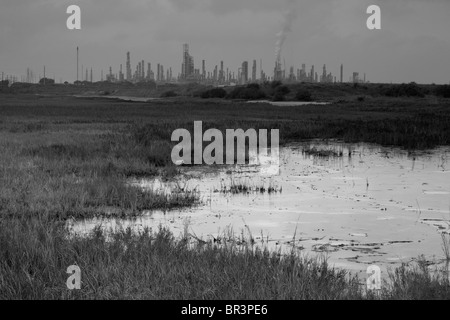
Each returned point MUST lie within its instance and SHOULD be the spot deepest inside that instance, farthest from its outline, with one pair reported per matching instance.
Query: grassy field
(62, 157)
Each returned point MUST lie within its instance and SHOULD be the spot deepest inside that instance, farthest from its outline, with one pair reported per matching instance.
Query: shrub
(303, 95)
(253, 86)
(275, 84)
(46, 81)
(251, 92)
(214, 93)
(443, 91)
(168, 94)
(278, 96)
(283, 90)
(408, 90)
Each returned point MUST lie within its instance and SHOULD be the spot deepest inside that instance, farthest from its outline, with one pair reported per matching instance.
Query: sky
(412, 45)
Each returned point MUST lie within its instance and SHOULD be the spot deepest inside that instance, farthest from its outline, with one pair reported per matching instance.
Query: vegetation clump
(251, 92)
(443, 91)
(303, 95)
(169, 94)
(405, 90)
(214, 93)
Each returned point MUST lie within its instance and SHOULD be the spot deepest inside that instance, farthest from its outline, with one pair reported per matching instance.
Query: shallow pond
(357, 204)
(288, 103)
(124, 98)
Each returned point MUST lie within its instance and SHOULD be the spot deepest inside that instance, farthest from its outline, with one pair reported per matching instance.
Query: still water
(356, 204)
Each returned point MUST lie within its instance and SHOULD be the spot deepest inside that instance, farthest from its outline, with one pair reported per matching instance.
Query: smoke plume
(289, 16)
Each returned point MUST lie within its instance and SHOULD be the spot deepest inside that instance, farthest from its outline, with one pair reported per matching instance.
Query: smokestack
(203, 69)
(128, 66)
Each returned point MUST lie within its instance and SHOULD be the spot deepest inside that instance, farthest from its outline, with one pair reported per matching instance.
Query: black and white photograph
(224, 154)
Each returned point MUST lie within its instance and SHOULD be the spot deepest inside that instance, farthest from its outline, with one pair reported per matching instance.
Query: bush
(443, 91)
(251, 92)
(408, 90)
(283, 90)
(168, 94)
(303, 95)
(214, 93)
(275, 84)
(278, 96)
(46, 81)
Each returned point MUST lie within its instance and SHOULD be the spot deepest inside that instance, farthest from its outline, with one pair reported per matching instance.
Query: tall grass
(416, 283)
(34, 256)
(244, 186)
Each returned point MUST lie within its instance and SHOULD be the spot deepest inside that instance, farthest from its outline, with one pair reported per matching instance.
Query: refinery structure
(216, 74)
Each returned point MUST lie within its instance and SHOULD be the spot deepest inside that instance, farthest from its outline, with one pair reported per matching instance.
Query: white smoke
(289, 16)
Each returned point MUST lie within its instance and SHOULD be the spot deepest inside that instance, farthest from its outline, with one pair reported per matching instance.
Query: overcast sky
(413, 44)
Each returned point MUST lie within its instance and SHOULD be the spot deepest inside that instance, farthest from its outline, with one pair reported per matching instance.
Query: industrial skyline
(215, 75)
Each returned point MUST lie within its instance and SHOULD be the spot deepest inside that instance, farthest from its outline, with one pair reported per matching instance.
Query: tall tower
(277, 73)
(204, 69)
(158, 72)
(324, 74)
(221, 73)
(244, 72)
(254, 71)
(149, 69)
(129, 77)
(215, 77)
(342, 73)
(262, 76)
(185, 68)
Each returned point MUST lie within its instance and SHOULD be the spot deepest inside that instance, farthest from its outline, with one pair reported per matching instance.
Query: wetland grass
(63, 158)
(244, 186)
